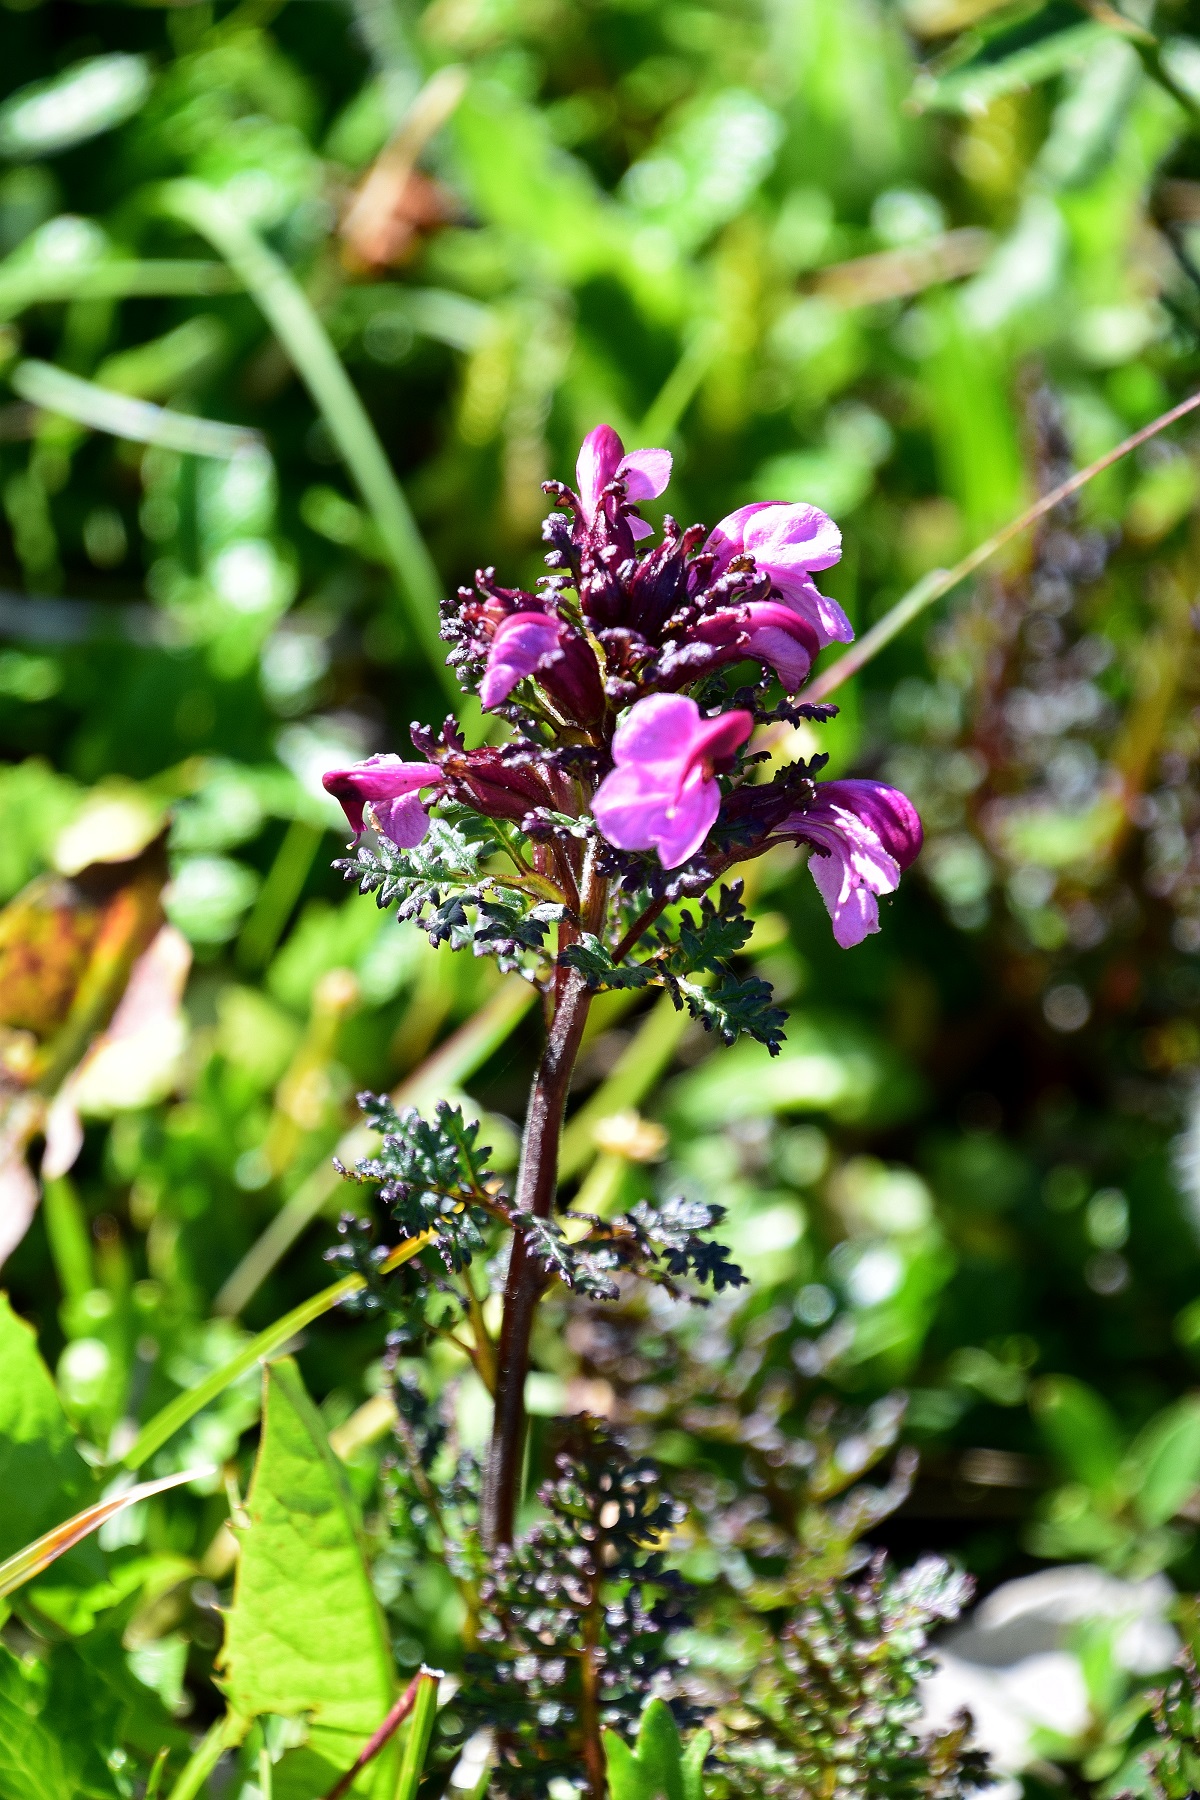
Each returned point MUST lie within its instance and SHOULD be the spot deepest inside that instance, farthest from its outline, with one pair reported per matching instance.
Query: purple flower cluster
(591, 670)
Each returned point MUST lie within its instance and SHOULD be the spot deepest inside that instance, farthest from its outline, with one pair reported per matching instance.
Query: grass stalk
(931, 587)
(292, 317)
(185, 1406)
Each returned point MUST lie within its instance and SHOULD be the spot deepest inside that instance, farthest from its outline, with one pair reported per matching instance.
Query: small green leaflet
(658, 1768)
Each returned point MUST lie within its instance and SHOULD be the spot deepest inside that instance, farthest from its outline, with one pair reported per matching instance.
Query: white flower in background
(1011, 1663)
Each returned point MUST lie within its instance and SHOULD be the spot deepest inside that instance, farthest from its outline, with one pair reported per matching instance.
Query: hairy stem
(537, 1183)
(589, 1706)
(639, 928)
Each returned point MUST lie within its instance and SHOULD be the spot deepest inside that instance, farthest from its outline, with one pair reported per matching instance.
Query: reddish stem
(378, 1738)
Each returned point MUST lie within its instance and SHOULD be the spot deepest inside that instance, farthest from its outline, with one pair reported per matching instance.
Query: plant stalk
(537, 1185)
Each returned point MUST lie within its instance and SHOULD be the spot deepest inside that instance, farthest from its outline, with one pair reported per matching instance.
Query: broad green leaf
(1162, 1467)
(43, 1478)
(1079, 1428)
(34, 1764)
(62, 1718)
(305, 1637)
(658, 1767)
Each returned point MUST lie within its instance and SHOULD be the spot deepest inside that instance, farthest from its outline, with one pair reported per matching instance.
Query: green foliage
(304, 1638)
(700, 944)
(42, 1475)
(912, 262)
(432, 1174)
(575, 1614)
(657, 1764)
(37, 1758)
(835, 1706)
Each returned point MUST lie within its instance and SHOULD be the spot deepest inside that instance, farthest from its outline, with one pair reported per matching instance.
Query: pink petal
(727, 538)
(646, 473)
(599, 460)
(891, 817)
(716, 740)
(521, 644)
(784, 652)
(623, 803)
(404, 820)
(853, 909)
(19, 1195)
(683, 827)
(635, 815)
(657, 730)
(800, 537)
(801, 593)
(64, 1135)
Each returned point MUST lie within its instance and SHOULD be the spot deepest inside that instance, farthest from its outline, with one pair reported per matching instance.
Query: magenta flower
(392, 787)
(787, 544)
(602, 460)
(865, 835)
(662, 795)
(538, 643)
(770, 633)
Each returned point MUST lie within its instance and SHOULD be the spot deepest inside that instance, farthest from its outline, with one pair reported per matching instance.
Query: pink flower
(392, 787)
(662, 794)
(768, 632)
(787, 544)
(521, 644)
(537, 643)
(603, 460)
(864, 835)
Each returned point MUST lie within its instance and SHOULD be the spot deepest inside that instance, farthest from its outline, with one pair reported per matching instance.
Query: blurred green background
(911, 262)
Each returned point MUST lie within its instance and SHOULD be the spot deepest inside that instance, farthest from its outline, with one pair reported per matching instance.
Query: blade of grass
(36, 283)
(462, 1053)
(278, 894)
(138, 421)
(23, 1565)
(294, 321)
(185, 1406)
(931, 587)
(225, 1735)
(154, 1779)
(679, 389)
(416, 1745)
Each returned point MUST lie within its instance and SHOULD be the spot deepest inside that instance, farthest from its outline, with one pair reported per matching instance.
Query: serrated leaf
(432, 1174)
(594, 962)
(733, 1007)
(305, 1637)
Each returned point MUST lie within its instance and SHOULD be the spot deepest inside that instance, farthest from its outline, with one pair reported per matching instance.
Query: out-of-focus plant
(911, 263)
